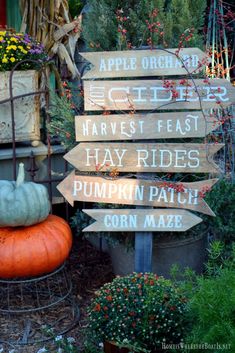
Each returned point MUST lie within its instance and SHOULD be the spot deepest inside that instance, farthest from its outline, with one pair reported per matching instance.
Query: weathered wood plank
(135, 220)
(149, 157)
(152, 94)
(136, 192)
(137, 63)
(144, 126)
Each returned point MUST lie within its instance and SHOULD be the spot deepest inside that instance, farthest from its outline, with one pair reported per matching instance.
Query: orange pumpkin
(34, 250)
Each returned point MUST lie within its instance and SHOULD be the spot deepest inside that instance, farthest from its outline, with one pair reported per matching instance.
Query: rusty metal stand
(31, 310)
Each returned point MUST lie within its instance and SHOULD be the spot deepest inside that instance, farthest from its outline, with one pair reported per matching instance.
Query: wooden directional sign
(136, 63)
(136, 192)
(151, 94)
(131, 220)
(143, 126)
(149, 157)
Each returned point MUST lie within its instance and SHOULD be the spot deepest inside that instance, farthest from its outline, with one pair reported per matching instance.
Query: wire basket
(31, 309)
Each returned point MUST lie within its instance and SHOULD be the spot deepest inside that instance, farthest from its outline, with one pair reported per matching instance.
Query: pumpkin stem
(21, 175)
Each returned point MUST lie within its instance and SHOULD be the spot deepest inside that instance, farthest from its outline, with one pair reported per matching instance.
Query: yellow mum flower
(13, 39)
(2, 33)
(1, 38)
(4, 60)
(12, 59)
(9, 47)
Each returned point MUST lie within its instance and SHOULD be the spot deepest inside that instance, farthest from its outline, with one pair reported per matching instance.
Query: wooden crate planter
(27, 109)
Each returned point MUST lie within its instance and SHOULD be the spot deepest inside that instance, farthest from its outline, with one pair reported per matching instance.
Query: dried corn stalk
(50, 23)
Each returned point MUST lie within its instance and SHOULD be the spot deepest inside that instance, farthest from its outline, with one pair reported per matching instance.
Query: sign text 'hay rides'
(149, 157)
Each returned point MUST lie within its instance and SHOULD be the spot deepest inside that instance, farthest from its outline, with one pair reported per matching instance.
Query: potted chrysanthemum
(24, 54)
(142, 312)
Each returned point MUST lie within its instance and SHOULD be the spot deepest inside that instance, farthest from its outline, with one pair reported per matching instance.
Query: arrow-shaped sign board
(137, 63)
(155, 94)
(136, 192)
(146, 220)
(149, 157)
(144, 126)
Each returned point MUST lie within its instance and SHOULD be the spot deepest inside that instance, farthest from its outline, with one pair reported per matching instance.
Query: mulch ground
(89, 270)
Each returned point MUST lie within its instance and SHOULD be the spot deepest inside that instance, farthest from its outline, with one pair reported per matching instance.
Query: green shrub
(221, 199)
(173, 17)
(212, 311)
(139, 310)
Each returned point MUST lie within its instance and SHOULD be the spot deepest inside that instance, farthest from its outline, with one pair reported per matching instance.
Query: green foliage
(138, 310)
(219, 258)
(184, 15)
(212, 312)
(211, 305)
(75, 7)
(185, 280)
(62, 111)
(221, 199)
(62, 344)
(90, 346)
(215, 258)
(104, 24)
(80, 220)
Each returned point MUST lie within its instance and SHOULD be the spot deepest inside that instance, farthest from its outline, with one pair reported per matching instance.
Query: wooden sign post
(136, 192)
(152, 95)
(144, 126)
(189, 96)
(144, 220)
(137, 63)
(149, 157)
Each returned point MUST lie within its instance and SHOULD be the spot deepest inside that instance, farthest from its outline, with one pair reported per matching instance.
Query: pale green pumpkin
(22, 203)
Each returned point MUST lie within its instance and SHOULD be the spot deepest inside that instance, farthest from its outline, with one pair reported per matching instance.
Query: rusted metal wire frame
(12, 98)
(55, 299)
(64, 297)
(37, 280)
(33, 168)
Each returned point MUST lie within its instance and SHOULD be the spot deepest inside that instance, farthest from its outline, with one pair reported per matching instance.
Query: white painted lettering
(149, 221)
(157, 98)
(102, 65)
(153, 191)
(139, 94)
(120, 156)
(92, 156)
(142, 155)
(179, 157)
(77, 187)
(165, 158)
(117, 90)
(191, 156)
(178, 221)
(107, 221)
